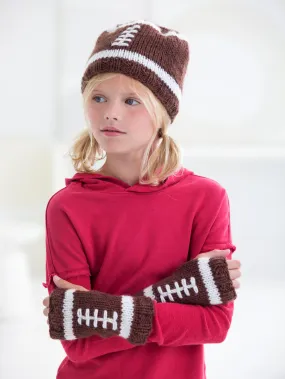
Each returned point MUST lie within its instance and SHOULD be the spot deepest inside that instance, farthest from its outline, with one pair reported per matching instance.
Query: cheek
(93, 116)
(144, 126)
(143, 131)
(93, 112)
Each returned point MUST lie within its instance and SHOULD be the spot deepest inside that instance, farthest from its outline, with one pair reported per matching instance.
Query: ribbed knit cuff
(203, 281)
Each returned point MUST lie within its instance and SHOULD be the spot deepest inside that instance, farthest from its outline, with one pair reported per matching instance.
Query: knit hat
(154, 55)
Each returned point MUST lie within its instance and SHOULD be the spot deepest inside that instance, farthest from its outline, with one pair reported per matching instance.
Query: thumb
(64, 284)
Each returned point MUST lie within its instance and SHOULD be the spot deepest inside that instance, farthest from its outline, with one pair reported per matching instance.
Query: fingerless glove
(203, 281)
(77, 314)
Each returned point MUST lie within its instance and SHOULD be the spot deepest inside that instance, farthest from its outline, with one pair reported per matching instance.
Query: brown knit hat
(152, 54)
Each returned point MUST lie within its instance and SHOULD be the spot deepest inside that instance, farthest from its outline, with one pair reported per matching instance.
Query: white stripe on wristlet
(127, 316)
(209, 282)
(148, 292)
(67, 314)
(144, 61)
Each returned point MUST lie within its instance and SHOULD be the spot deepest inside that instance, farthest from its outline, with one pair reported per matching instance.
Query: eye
(97, 99)
(129, 100)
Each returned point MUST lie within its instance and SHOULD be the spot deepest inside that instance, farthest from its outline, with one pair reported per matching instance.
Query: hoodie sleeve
(65, 257)
(174, 324)
(180, 324)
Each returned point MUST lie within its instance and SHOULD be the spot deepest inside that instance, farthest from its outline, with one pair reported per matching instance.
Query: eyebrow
(124, 94)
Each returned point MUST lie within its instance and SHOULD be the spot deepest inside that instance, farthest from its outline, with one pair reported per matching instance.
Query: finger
(236, 284)
(219, 253)
(46, 311)
(60, 283)
(46, 302)
(233, 264)
(215, 253)
(234, 274)
(64, 284)
(223, 251)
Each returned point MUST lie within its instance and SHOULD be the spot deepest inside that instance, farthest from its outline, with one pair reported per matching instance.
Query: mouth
(111, 129)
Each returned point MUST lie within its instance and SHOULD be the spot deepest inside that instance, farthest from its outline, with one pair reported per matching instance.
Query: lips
(111, 129)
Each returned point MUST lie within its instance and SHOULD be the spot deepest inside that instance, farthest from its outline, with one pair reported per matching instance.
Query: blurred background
(231, 128)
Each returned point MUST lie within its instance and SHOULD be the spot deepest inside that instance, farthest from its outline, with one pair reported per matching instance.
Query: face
(114, 104)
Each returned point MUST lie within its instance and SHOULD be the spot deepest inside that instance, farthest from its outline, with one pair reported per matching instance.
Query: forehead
(119, 83)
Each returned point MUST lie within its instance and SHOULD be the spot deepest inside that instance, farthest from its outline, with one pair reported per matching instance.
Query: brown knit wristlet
(203, 281)
(77, 314)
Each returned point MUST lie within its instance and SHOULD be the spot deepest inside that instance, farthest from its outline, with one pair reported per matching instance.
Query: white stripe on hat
(148, 292)
(127, 316)
(154, 26)
(67, 314)
(144, 61)
(208, 280)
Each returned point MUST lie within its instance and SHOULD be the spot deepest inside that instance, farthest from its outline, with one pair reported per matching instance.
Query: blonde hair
(161, 157)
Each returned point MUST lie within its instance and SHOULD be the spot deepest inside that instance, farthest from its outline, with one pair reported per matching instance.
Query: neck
(123, 169)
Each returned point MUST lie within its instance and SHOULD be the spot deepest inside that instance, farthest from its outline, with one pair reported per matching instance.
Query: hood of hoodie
(105, 183)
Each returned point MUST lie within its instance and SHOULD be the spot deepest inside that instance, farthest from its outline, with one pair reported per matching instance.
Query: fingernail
(56, 278)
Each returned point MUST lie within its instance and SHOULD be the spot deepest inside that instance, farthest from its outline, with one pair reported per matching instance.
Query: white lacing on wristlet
(105, 319)
(177, 290)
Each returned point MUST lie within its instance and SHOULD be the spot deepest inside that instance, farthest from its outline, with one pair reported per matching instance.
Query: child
(132, 233)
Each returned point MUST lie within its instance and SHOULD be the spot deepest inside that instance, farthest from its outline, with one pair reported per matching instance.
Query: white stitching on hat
(126, 36)
(156, 27)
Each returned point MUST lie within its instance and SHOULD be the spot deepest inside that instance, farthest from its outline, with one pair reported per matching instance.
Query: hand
(78, 313)
(233, 265)
(60, 283)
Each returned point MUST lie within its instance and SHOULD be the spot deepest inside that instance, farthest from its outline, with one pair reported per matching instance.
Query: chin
(115, 146)
(115, 149)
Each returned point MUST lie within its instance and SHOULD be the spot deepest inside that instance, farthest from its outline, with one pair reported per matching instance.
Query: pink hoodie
(103, 234)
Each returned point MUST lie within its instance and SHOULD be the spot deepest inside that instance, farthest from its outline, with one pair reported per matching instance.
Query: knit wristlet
(203, 281)
(77, 314)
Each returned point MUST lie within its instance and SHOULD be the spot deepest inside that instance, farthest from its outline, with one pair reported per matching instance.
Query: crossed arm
(173, 324)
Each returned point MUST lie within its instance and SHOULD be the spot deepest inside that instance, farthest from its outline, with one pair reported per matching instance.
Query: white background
(231, 127)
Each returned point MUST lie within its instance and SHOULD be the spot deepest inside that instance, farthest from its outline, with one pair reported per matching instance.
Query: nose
(113, 112)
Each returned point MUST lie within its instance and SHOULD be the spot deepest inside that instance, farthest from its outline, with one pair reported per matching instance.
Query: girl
(134, 290)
